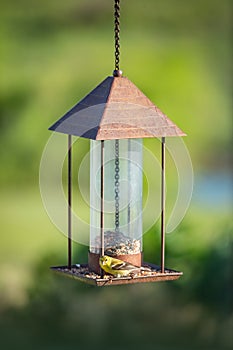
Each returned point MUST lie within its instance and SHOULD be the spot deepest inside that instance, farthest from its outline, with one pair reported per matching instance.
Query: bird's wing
(118, 265)
(123, 266)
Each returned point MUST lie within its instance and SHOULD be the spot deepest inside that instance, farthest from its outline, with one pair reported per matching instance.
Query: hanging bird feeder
(116, 116)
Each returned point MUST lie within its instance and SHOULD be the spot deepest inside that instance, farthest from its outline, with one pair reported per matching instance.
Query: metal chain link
(117, 34)
(117, 68)
(117, 189)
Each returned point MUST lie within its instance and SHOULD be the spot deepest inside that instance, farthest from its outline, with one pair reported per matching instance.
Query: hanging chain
(117, 34)
(117, 72)
(117, 189)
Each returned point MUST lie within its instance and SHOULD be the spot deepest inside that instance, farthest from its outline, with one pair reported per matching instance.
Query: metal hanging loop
(117, 72)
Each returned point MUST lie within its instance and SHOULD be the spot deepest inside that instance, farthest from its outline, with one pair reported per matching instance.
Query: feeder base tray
(83, 274)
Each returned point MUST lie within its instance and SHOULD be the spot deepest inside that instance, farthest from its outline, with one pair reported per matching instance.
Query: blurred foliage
(192, 313)
(53, 53)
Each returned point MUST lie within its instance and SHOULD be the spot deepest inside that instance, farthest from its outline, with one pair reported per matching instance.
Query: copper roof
(116, 109)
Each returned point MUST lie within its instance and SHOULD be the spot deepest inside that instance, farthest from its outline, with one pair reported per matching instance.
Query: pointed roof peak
(116, 109)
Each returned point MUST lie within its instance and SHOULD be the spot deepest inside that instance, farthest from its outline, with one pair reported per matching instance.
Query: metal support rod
(163, 206)
(102, 204)
(69, 201)
(102, 199)
(117, 187)
(129, 185)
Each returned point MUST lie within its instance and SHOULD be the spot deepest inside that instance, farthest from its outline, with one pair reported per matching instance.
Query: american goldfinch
(119, 268)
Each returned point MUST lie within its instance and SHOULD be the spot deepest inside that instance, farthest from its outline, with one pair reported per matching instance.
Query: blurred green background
(179, 54)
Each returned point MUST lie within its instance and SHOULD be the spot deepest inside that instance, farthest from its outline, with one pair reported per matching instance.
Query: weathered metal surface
(84, 118)
(168, 275)
(116, 109)
(93, 260)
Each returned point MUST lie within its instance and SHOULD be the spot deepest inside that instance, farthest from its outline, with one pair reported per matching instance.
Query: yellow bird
(119, 268)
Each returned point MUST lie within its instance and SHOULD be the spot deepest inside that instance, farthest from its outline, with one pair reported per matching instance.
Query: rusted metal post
(102, 203)
(69, 201)
(102, 199)
(129, 181)
(163, 206)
